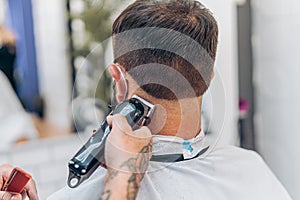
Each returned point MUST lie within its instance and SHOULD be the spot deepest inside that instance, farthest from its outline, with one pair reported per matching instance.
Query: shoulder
(237, 153)
(240, 159)
(248, 168)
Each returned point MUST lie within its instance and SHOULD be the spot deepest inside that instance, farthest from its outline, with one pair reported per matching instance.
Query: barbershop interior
(55, 87)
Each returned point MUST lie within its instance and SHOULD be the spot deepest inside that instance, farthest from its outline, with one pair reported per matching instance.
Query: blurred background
(53, 56)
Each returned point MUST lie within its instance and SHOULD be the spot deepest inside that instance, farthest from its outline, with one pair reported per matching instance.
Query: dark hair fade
(164, 27)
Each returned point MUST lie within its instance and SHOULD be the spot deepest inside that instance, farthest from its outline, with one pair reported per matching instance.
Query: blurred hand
(29, 190)
(9, 196)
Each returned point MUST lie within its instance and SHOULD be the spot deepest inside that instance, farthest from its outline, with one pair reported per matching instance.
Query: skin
(174, 118)
(130, 151)
(29, 190)
(6, 38)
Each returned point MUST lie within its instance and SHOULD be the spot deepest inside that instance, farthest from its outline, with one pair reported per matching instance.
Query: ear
(115, 71)
(212, 75)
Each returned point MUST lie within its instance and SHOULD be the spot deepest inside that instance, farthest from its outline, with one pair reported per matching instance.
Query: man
(166, 51)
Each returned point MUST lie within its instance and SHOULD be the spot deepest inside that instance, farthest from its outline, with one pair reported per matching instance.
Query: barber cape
(220, 173)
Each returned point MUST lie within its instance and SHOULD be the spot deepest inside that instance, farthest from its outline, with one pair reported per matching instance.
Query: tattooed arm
(127, 155)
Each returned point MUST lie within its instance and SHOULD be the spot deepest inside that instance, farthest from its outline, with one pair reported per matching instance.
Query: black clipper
(136, 110)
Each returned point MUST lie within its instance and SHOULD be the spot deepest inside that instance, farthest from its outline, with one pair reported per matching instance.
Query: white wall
(2, 11)
(277, 69)
(53, 60)
(224, 89)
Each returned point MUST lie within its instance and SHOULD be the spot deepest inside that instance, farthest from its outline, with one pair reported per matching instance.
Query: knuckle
(5, 196)
(16, 197)
(143, 133)
(33, 181)
(118, 117)
(146, 130)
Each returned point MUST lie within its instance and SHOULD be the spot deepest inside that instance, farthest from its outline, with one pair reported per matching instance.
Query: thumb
(119, 123)
(9, 196)
(143, 133)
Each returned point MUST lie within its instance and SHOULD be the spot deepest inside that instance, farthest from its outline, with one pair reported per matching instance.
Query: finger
(5, 195)
(109, 120)
(24, 194)
(1, 181)
(119, 123)
(5, 171)
(143, 133)
(16, 197)
(31, 190)
(9, 196)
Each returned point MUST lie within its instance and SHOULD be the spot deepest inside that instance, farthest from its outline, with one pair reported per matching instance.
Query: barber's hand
(29, 190)
(127, 150)
(9, 196)
(127, 155)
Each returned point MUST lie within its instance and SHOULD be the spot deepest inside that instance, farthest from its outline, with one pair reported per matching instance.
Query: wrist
(121, 185)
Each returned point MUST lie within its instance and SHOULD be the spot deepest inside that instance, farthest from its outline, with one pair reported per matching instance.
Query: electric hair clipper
(136, 110)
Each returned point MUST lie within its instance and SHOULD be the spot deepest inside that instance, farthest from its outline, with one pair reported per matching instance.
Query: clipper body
(136, 110)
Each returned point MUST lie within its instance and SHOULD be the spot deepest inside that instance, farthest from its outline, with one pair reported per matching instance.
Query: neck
(180, 118)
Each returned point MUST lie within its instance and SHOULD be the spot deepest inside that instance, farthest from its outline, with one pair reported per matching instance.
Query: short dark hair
(159, 18)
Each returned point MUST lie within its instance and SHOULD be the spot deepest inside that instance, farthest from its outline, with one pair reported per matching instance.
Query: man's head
(174, 41)
(167, 50)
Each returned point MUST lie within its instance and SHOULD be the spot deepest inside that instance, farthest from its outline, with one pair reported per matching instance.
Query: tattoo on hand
(137, 165)
(106, 195)
(132, 187)
(113, 174)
